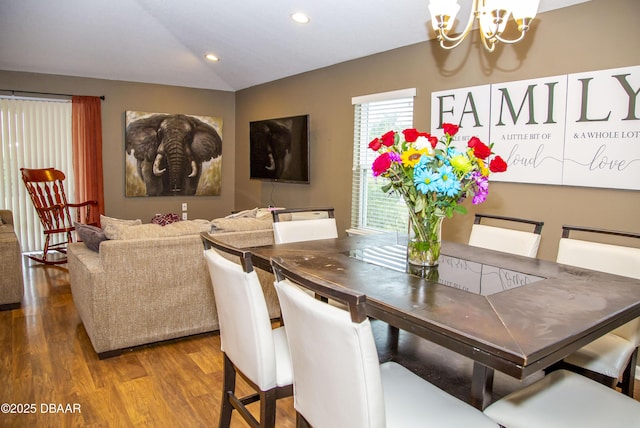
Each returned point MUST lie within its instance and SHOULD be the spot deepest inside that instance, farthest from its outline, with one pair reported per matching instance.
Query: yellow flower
(461, 164)
(411, 157)
(483, 169)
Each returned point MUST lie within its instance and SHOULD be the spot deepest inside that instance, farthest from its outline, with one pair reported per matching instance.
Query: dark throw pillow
(92, 236)
(165, 219)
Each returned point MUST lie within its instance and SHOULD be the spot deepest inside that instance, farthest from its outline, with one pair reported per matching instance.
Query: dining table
(505, 312)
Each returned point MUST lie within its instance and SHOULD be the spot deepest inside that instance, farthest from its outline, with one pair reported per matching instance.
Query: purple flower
(395, 157)
(482, 188)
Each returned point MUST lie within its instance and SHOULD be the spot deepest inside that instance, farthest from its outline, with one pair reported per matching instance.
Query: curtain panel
(86, 126)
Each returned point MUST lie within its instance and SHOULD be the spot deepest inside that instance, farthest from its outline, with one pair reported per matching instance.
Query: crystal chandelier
(492, 16)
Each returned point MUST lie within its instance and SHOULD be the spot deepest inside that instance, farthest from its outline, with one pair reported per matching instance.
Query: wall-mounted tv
(279, 149)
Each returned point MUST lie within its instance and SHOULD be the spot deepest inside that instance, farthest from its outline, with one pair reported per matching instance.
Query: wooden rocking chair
(46, 189)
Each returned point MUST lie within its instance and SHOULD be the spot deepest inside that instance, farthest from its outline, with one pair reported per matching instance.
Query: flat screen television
(279, 149)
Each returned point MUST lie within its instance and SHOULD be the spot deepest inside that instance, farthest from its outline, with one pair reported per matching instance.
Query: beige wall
(123, 96)
(561, 42)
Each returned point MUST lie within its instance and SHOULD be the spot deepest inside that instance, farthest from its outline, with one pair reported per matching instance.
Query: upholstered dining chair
(338, 381)
(508, 240)
(612, 358)
(303, 224)
(249, 345)
(564, 399)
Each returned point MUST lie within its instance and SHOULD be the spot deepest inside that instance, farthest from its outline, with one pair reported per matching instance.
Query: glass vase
(425, 239)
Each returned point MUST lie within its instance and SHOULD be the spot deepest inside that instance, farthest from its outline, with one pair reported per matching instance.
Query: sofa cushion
(92, 236)
(113, 226)
(6, 228)
(151, 230)
(241, 224)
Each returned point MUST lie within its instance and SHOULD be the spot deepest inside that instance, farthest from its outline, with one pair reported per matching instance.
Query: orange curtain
(87, 152)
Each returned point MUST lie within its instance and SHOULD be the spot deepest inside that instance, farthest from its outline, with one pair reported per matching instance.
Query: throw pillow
(266, 212)
(106, 221)
(113, 227)
(92, 236)
(242, 214)
(165, 219)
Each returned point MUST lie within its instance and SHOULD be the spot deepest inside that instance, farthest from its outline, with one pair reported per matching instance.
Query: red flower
(433, 140)
(450, 129)
(412, 134)
(389, 138)
(497, 165)
(381, 164)
(375, 144)
(480, 149)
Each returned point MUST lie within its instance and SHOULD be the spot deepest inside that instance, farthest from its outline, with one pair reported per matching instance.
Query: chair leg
(301, 422)
(628, 378)
(268, 408)
(228, 388)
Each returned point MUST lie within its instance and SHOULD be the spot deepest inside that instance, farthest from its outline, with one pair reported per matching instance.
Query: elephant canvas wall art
(172, 154)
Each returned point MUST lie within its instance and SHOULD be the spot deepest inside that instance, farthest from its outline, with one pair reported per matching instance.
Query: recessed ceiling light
(212, 57)
(300, 18)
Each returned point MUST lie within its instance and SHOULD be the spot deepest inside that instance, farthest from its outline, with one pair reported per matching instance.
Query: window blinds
(374, 115)
(34, 134)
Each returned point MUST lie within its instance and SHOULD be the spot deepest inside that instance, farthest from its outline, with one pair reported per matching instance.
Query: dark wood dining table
(514, 314)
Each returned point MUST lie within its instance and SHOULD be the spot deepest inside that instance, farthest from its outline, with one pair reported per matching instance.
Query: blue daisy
(448, 184)
(425, 180)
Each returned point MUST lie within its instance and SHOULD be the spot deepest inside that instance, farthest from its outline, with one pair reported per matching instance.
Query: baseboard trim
(9, 306)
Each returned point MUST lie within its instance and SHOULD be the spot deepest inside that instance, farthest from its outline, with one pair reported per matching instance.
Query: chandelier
(492, 16)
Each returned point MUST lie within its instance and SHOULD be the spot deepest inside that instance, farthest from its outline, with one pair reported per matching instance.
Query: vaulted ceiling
(164, 41)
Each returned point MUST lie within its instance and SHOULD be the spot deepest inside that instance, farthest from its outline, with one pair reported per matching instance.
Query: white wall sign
(465, 107)
(577, 129)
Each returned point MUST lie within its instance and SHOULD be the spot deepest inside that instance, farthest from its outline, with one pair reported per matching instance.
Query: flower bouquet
(434, 179)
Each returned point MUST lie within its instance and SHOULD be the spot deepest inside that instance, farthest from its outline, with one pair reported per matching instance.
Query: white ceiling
(164, 41)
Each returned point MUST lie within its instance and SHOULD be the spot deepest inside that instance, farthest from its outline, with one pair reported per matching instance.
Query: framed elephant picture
(172, 154)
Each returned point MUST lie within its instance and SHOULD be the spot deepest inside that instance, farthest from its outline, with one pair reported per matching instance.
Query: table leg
(393, 338)
(481, 386)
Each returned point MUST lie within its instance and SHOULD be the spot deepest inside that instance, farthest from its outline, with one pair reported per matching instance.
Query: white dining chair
(303, 224)
(248, 342)
(612, 358)
(338, 381)
(508, 240)
(563, 399)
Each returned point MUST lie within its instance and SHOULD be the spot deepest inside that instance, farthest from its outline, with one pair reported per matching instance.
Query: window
(34, 134)
(372, 209)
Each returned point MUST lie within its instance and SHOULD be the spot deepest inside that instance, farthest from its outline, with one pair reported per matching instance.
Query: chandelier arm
(442, 36)
(489, 44)
(507, 41)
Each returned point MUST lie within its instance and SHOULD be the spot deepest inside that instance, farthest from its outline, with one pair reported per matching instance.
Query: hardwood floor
(47, 361)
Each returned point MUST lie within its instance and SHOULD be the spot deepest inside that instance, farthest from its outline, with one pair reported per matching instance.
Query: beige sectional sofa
(144, 286)
(11, 281)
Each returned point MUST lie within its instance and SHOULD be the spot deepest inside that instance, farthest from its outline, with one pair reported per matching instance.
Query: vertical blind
(35, 134)
(372, 209)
